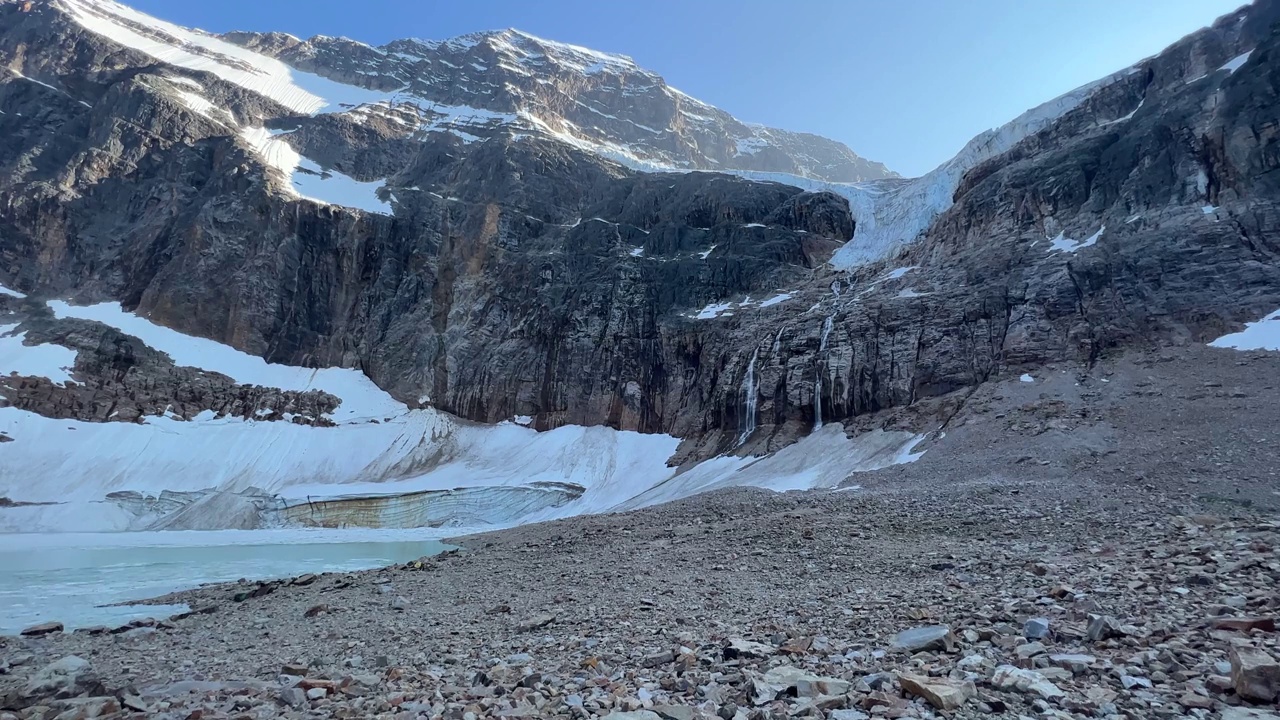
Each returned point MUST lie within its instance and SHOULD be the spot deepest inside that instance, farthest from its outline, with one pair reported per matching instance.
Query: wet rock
(203, 610)
(1254, 674)
(942, 693)
(42, 629)
(934, 637)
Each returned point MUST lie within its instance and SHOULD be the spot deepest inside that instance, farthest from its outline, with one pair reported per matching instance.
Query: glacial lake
(68, 577)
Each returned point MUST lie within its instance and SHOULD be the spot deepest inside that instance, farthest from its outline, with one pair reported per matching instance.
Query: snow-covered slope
(380, 464)
(893, 212)
(504, 81)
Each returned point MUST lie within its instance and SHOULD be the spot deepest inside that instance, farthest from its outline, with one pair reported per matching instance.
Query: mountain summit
(504, 81)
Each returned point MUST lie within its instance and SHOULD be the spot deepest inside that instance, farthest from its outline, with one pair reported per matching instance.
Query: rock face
(595, 100)
(508, 267)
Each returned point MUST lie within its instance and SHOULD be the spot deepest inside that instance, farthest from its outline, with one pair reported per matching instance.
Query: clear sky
(905, 82)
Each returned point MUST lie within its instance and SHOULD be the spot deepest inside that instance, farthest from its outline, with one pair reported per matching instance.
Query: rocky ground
(1090, 544)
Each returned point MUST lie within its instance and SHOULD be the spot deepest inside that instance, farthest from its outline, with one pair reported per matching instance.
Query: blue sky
(905, 82)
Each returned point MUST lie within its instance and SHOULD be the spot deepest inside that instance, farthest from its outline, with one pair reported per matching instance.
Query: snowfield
(383, 464)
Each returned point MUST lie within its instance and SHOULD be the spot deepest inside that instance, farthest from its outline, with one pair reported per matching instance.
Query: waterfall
(750, 395)
(777, 342)
(817, 382)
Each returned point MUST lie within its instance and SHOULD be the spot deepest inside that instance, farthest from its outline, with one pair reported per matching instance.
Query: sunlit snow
(299, 91)
(11, 293)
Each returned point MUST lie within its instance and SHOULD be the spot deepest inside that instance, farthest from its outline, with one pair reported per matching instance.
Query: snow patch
(11, 293)
(1236, 62)
(362, 400)
(1064, 244)
(299, 91)
(1026, 378)
(713, 310)
(45, 360)
(307, 179)
(1261, 335)
(821, 460)
(770, 302)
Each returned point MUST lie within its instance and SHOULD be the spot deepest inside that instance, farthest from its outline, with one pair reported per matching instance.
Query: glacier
(381, 464)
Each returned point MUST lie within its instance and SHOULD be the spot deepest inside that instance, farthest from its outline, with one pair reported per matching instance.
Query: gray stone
(1103, 627)
(1036, 629)
(62, 678)
(660, 658)
(42, 629)
(1030, 650)
(1008, 677)
(934, 637)
(674, 712)
(942, 693)
(1255, 674)
(741, 648)
(535, 622)
(293, 697)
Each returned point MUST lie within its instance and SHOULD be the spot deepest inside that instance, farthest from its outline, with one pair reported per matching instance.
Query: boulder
(42, 629)
(791, 679)
(933, 637)
(1255, 674)
(942, 693)
(1008, 677)
(64, 678)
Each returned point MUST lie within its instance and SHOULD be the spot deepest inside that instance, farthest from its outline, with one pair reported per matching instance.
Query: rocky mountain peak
(600, 102)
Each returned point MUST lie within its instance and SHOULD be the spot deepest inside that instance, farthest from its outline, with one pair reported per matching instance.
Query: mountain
(488, 83)
(255, 280)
